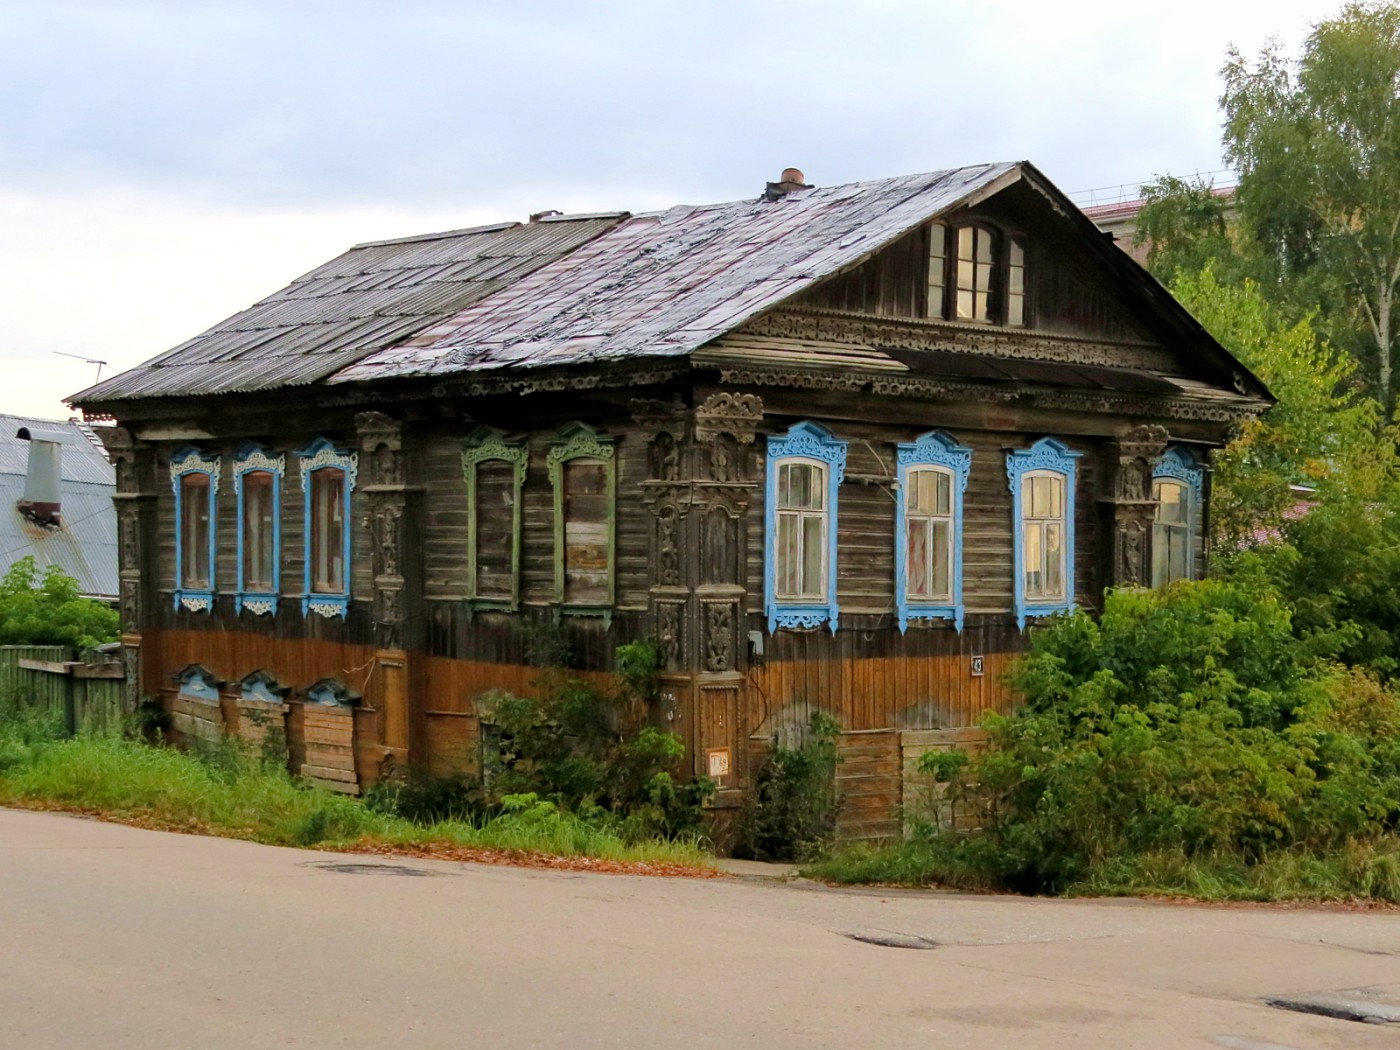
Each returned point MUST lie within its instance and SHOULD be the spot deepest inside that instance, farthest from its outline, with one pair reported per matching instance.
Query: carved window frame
(810, 442)
(580, 441)
(483, 446)
(253, 458)
(184, 462)
(939, 451)
(1180, 465)
(320, 454)
(1046, 456)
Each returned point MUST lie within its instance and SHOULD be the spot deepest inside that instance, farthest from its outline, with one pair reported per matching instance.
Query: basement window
(195, 479)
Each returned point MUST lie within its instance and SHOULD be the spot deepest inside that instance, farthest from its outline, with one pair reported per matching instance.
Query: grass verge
(1360, 871)
(229, 793)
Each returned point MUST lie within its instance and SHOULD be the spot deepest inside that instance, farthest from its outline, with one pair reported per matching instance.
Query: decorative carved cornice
(577, 441)
(321, 453)
(1040, 397)
(817, 325)
(734, 414)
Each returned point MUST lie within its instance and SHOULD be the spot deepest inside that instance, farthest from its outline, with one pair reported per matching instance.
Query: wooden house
(833, 448)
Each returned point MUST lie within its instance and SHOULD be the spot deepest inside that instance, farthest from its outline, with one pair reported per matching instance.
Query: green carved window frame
(485, 445)
(580, 441)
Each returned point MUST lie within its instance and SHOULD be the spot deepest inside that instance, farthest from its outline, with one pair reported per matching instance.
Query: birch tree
(1316, 143)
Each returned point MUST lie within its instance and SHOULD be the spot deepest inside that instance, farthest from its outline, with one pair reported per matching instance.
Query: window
(495, 472)
(581, 471)
(1177, 482)
(195, 478)
(327, 479)
(257, 482)
(976, 273)
(1042, 489)
(802, 532)
(805, 468)
(933, 473)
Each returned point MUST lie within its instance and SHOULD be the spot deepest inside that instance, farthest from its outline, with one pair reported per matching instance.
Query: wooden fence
(86, 695)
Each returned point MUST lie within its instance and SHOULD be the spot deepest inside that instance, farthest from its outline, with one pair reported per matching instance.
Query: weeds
(790, 814)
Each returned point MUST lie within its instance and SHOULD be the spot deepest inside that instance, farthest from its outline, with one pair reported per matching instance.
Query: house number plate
(719, 762)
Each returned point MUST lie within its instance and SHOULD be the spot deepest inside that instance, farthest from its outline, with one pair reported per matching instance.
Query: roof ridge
(493, 227)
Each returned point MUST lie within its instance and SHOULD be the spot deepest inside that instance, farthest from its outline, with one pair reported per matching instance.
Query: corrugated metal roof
(665, 284)
(375, 295)
(85, 546)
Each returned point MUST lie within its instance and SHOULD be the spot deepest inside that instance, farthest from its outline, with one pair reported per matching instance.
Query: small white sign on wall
(719, 762)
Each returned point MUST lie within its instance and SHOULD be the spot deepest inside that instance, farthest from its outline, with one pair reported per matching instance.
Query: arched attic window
(976, 273)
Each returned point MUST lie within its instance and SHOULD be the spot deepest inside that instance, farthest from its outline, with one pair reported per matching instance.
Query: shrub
(1186, 741)
(790, 812)
(45, 609)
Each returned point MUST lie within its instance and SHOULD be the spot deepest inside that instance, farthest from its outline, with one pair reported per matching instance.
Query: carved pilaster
(389, 475)
(1128, 506)
(134, 463)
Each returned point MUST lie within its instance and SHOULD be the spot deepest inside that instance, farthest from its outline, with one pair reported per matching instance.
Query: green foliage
(45, 609)
(1185, 228)
(590, 752)
(226, 790)
(1187, 736)
(1322, 433)
(790, 812)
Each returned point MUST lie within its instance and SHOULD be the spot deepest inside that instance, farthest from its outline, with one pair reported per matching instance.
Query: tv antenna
(85, 360)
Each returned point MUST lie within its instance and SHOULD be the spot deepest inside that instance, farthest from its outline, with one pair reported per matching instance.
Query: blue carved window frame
(263, 687)
(938, 450)
(197, 682)
(319, 455)
(1055, 457)
(811, 442)
(186, 461)
(251, 458)
(1180, 464)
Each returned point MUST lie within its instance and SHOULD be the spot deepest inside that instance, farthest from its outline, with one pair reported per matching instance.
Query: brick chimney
(791, 179)
(40, 503)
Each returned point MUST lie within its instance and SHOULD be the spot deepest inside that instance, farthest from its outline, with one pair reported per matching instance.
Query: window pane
(1179, 553)
(258, 531)
(937, 263)
(785, 572)
(1054, 560)
(1056, 488)
(1015, 310)
(813, 555)
(940, 554)
(984, 246)
(1161, 571)
(328, 531)
(1034, 559)
(918, 558)
(801, 486)
(965, 235)
(965, 305)
(1171, 502)
(943, 495)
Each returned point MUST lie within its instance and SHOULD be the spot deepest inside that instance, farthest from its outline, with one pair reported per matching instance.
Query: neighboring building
(56, 491)
(831, 448)
(1119, 219)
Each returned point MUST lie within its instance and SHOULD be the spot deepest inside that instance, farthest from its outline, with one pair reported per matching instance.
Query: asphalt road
(119, 938)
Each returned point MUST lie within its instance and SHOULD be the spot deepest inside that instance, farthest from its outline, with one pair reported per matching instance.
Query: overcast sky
(164, 164)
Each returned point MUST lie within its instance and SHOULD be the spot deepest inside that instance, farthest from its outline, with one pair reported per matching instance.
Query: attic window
(976, 273)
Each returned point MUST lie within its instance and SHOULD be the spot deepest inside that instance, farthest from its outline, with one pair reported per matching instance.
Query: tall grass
(228, 791)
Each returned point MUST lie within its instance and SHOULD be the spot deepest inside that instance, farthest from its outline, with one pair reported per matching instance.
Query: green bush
(590, 751)
(45, 609)
(1187, 740)
(790, 812)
